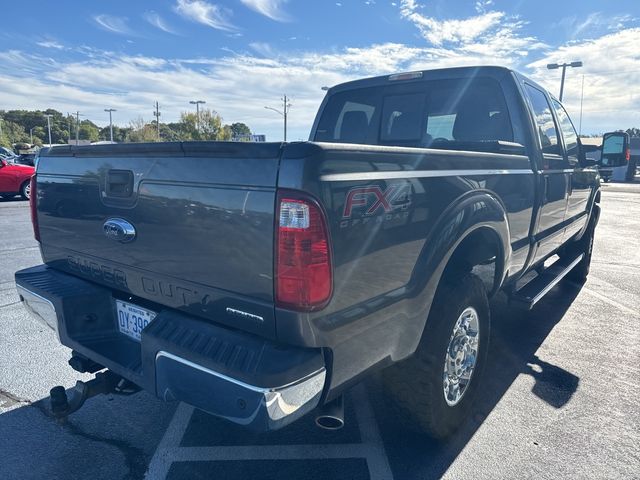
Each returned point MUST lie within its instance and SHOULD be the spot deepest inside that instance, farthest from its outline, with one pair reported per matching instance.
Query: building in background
(249, 138)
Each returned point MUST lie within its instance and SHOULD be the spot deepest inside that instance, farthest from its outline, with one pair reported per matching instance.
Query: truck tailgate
(203, 215)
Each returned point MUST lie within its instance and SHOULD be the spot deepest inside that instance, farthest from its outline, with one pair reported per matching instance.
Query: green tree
(142, 131)
(88, 131)
(208, 127)
(239, 129)
(12, 133)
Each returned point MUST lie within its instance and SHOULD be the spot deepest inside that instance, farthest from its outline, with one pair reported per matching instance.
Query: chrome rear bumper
(244, 378)
(40, 308)
(265, 408)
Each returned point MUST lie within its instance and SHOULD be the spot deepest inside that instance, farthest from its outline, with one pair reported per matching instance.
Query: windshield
(459, 113)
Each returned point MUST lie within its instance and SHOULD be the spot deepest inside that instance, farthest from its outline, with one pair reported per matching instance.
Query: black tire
(416, 385)
(25, 190)
(580, 272)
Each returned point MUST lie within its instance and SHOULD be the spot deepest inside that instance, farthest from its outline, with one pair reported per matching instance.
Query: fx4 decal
(372, 200)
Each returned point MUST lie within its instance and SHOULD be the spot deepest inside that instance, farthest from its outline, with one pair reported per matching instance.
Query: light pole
(49, 126)
(110, 121)
(197, 103)
(156, 113)
(78, 128)
(554, 66)
(286, 106)
(31, 135)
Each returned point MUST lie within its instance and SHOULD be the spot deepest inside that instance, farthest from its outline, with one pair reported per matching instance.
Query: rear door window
(544, 120)
(566, 127)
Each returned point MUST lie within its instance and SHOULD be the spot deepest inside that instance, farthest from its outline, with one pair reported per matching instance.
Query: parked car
(14, 179)
(5, 152)
(258, 282)
(26, 159)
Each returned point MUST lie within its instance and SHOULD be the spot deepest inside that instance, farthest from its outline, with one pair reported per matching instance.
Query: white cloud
(238, 86)
(206, 13)
(50, 44)
(490, 34)
(482, 5)
(113, 24)
(269, 8)
(594, 24)
(611, 93)
(157, 21)
(262, 48)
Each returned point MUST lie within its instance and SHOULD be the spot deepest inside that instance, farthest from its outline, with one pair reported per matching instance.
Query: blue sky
(240, 55)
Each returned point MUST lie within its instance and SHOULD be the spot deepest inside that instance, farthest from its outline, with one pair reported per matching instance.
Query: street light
(78, 114)
(197, 104)
(110, 121)
(31, 134)
(48, 115)
(286, 106)
(554, 66)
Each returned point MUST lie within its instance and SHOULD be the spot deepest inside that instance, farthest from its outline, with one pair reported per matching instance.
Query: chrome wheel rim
(461, 356)
(27, 190)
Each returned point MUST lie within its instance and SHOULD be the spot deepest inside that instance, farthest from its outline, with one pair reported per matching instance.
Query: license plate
(132, 319)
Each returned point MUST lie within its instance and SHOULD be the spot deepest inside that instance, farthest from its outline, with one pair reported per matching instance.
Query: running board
(536, 289)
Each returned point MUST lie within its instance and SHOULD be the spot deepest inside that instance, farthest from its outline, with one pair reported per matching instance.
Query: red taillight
(33, 204)
(627, 154)
(303, 259)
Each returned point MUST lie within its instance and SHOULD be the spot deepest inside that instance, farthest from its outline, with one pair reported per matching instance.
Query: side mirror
(582, 154)
(615, 151)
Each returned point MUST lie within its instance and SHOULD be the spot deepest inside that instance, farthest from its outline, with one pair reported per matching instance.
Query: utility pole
(49, 126)
(197, 104)
(581, 100)
(286, 106)
(110, 110)
(0, 128)
(77, 128)
(69, 128)
(553, 66)
(31, 135)
(156, 114)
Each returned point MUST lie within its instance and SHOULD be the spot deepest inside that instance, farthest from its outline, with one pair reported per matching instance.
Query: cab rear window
(437, 114)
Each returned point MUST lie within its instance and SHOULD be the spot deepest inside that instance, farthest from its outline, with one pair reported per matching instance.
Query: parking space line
(606, 299)
(377, 456)
(270, 452)
(371, 448)
(163, 456)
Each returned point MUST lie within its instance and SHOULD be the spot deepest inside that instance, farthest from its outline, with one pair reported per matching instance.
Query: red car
(14, 179)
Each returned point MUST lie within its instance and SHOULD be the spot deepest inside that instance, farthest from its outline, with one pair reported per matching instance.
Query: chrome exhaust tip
(331, 415)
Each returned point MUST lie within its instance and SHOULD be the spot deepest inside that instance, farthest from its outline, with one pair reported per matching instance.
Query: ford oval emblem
(119, 230)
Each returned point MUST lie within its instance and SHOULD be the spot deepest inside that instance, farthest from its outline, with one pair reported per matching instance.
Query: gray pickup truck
(258, 282)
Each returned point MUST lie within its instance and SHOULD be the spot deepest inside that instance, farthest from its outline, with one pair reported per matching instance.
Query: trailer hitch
(104, 382)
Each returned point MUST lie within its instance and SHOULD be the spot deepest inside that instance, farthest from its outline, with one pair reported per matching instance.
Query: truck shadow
(516, 337)
(123, 433)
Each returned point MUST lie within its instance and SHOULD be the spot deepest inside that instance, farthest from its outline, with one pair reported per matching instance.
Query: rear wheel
(435, 388)
(580, 272)
(25, 190)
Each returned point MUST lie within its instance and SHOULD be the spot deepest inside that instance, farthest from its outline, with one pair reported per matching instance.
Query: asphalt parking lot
(560, 397)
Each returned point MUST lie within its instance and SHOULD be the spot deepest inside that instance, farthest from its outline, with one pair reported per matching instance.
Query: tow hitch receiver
(105, 382)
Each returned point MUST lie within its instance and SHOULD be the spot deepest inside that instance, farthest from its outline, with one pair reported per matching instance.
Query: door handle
(119, 183)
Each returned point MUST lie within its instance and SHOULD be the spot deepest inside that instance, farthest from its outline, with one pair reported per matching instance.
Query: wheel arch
(473, 229)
